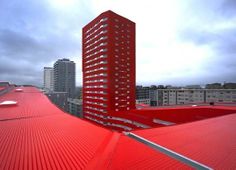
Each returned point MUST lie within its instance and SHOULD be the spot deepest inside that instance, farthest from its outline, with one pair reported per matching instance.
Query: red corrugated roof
(52, 142)
(130, 154)
(211, 141)
(35, 134)
(30, 103)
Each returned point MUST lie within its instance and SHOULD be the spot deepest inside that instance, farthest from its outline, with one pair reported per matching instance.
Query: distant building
(229, 86)
(161, 87)
(153, 95)
(4, 84)
(143, 101)
(214, 86)
(193, 87)
(78, 92)
(75, 107)
(64, 77)
(48, 79)
(143, 95)
(5, 87)
(221, 95)
(142, 92)
(167, 97)
(108, 65)
(59, 99)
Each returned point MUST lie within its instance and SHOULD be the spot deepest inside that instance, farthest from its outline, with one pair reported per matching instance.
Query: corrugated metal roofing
(35, 134)
(211, 141)
(30, 103)
(52, 142)
(130, 154)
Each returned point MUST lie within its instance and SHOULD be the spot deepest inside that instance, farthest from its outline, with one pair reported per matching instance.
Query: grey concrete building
(5, 87)
(142, 95)
(142, 92)
(75, 107)
(59, 99)
(64, 77)
(79, 93)
(153, 95)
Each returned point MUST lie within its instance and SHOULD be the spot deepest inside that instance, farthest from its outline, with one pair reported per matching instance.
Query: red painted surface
(129, 154)
(28, 103)
(177, 115)
(35, 134)
(115, 53)
(109, 79)
(211, 142)
(182, 114)
(2, 88)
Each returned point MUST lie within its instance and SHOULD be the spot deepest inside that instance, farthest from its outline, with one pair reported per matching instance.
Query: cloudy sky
(178, 42)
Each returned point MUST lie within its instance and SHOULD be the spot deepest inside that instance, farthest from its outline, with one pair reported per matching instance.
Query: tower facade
(108, 65)
(64, 77)
(48, 78)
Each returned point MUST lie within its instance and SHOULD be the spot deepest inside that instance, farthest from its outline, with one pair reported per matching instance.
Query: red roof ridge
(104, 153)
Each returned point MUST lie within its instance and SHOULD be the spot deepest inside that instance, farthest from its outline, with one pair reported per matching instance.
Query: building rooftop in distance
(2, 88)
(35, 134)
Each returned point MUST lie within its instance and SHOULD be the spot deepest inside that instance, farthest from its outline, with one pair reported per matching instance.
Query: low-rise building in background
(143, 101)
(59, 99)
(191, 94)
(75, 107)
(167, 97)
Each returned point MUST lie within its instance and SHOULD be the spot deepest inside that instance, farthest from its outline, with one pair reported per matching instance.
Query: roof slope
(35, 134)
(211, 141)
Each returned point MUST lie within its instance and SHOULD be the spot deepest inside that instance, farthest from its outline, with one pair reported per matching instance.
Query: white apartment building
(221, 95)
(166, 97)
(48, 79)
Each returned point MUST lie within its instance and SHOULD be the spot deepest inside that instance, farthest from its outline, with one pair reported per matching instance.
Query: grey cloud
(199, 37)
(222, 62)
(13, 66)
(228, 7)
(25, 56)
(17, 79)
(223, 41)
(23, 46)
(33, 35)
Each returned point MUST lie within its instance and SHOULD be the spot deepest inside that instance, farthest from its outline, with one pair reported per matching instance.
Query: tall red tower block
(108, 66)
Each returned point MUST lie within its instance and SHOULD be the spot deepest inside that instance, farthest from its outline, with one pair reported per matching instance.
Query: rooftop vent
(8, 103)
(18, 90)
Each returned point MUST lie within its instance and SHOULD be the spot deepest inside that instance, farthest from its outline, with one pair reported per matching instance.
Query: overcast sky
(178, 42)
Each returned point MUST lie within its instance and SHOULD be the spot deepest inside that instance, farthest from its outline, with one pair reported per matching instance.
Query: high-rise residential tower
(108, 65)
(64, 77)
(48, 80)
